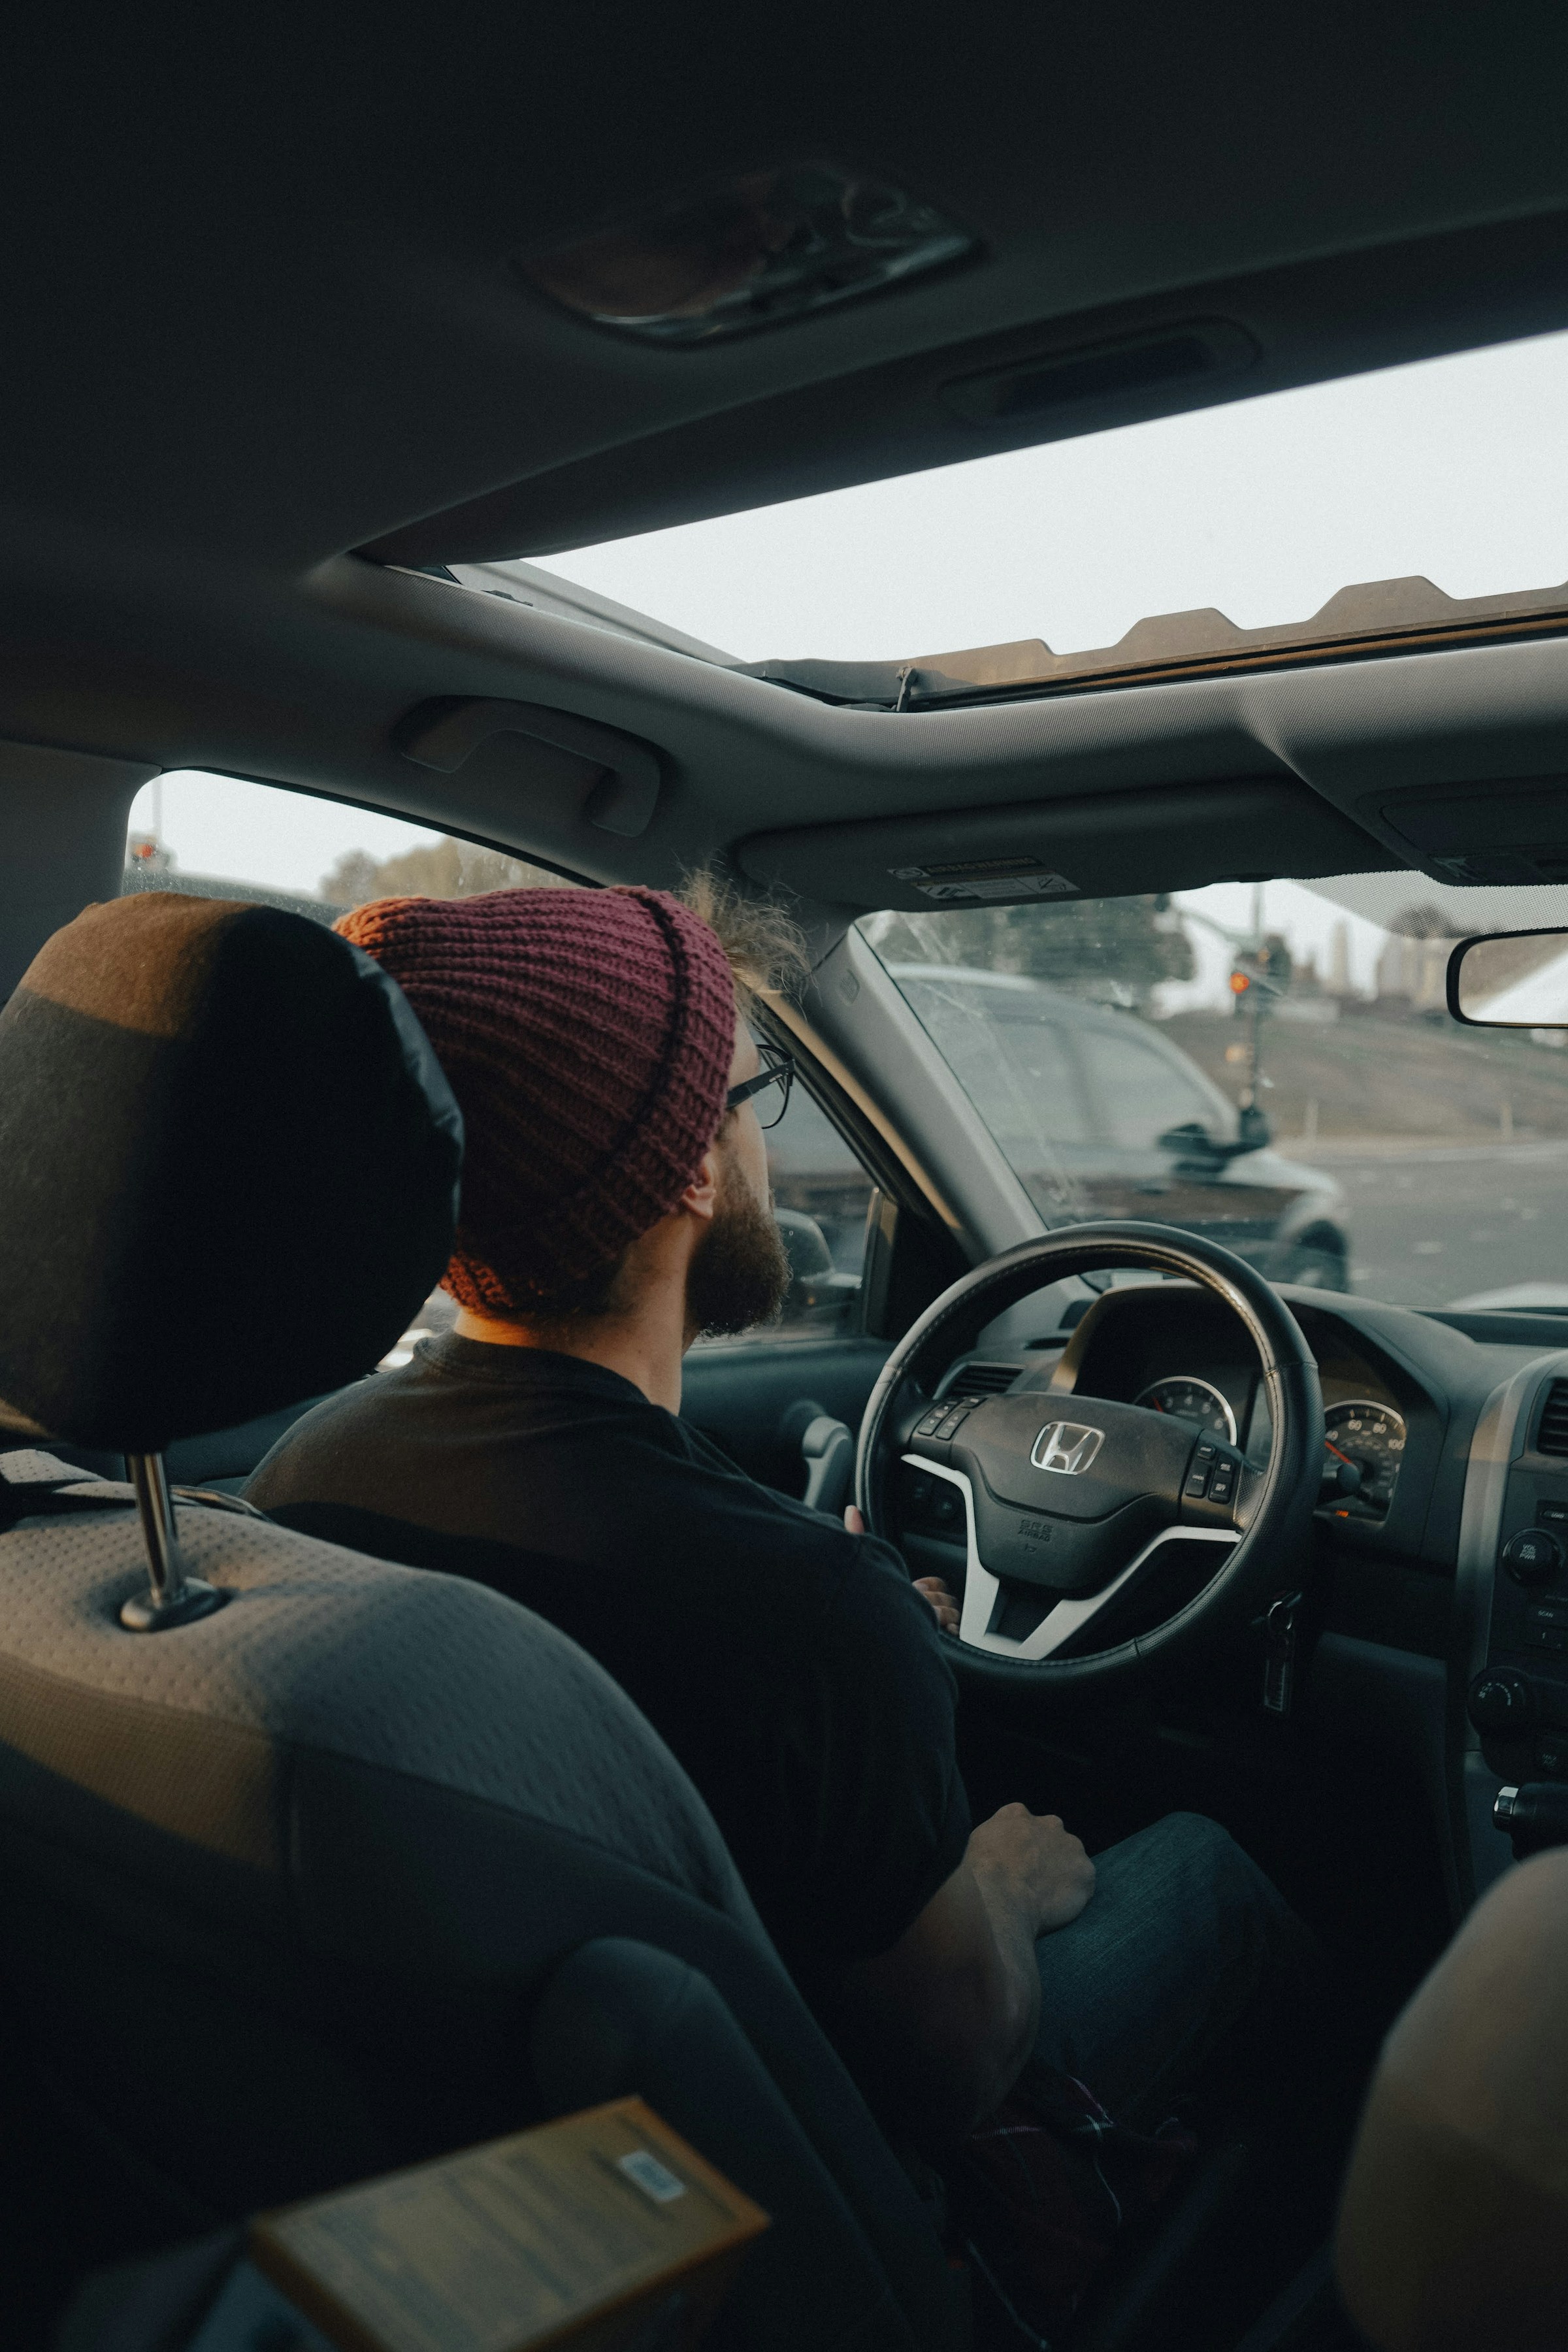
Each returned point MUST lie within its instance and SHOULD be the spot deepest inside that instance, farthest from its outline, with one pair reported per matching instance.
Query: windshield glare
(1272, 1065)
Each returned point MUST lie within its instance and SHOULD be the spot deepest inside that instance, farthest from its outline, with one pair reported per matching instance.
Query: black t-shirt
(789, 1664)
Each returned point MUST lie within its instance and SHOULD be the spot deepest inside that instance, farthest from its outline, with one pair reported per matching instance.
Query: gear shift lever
(1534, 1816)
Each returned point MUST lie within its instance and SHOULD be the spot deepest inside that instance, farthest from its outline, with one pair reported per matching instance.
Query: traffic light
(1260, 972)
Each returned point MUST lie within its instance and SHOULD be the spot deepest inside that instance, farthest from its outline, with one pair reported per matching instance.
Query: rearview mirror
(1516, 980)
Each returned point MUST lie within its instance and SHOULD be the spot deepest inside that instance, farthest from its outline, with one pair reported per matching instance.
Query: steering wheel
(1070, 1503)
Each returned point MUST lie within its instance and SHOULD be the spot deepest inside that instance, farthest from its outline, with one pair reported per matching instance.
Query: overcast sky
(259, 832)
(1456, 470)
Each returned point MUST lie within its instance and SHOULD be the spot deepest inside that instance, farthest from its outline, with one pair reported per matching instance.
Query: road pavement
(1434, 1223)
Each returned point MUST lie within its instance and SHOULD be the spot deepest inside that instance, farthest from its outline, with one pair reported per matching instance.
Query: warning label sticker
(985, 880)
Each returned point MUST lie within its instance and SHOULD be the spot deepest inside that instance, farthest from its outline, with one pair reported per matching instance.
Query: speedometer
(1364, 1443)
(1191, 1400)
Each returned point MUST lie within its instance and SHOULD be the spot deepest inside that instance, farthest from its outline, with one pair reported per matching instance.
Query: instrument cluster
(1364, 1443)
(1363, 1440)
(1187, 1398)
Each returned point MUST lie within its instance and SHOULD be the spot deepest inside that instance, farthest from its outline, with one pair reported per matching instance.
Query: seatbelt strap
(35, 1485)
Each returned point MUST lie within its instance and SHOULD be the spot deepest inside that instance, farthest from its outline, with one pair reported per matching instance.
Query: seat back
(285, 1882)
(285, 1888)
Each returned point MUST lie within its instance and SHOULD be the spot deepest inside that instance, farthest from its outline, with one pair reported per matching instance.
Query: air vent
(994, 1380)
(1552, 1436)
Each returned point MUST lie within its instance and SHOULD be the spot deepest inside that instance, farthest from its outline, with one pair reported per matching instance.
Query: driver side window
(821, 1197)
(223, 838)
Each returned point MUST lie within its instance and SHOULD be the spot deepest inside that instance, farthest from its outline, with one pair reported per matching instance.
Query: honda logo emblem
(1067, 1445)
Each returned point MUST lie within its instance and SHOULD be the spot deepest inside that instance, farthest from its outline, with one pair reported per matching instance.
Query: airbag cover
(1138, 1453)
(1067, 1490)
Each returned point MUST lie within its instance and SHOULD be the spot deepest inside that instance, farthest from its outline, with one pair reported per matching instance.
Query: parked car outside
(1102, 1115)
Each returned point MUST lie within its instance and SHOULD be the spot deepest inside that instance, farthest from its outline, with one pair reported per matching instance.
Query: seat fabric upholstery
(284, 1886)
(221, 1737)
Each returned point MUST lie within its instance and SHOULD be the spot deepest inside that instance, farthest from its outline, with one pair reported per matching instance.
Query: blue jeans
(1184, 1948)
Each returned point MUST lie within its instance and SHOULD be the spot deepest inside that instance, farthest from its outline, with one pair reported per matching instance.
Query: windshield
(1272, 1065)
(1455, 469)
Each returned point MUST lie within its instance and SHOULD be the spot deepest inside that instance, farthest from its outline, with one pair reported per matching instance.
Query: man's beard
(741, 1271)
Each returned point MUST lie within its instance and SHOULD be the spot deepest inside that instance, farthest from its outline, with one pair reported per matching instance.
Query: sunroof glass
(1453, 469)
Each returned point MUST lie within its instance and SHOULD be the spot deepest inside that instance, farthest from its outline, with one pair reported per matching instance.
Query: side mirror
(817, 1289)
(810, 1259)
(1515, 979)
(1192, 1143)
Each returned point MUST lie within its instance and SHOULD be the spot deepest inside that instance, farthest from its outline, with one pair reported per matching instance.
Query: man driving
(615, 1206)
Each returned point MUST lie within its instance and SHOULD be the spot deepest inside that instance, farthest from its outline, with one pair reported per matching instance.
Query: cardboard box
(601, 2230)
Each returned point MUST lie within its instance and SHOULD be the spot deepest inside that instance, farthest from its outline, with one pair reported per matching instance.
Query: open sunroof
(1237, 528)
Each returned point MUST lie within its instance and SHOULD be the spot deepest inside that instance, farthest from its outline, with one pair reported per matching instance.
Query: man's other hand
(931, 1588)
(946, 2020)
(1029, 1865)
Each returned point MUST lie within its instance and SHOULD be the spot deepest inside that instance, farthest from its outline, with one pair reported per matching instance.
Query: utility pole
(1254, 986)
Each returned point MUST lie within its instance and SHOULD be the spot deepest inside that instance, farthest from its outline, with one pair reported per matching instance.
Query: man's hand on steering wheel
(930, 1588)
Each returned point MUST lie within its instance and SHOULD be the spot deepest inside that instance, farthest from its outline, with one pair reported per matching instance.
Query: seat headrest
(228, 1170)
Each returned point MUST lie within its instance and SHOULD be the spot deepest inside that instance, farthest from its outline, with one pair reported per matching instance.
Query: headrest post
(173, 1598)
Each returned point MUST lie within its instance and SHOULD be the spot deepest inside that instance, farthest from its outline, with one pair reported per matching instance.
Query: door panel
(741, 1393)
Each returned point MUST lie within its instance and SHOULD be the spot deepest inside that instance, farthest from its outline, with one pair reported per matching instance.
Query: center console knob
(1501, 1703)
(1534, 1556)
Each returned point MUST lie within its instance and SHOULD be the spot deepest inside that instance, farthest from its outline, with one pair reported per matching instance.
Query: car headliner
(268, 353)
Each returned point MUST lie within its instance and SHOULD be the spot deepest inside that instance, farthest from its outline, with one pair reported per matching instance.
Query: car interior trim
(1370, 616)
(377, 641)
(1501, 1434)
(625, 792)
(886, 1155)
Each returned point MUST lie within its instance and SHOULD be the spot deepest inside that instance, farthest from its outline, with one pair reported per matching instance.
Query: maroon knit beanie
(587, 1035)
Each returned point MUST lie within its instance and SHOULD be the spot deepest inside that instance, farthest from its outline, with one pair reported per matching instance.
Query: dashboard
(1399, 1389)
(1440, 1570)
(1185, 1356)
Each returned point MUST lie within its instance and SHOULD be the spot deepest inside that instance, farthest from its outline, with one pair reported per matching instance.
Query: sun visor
(1110, 846)
(1511, 829)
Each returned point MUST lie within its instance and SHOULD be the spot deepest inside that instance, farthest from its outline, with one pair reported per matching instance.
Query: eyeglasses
(777, 1070)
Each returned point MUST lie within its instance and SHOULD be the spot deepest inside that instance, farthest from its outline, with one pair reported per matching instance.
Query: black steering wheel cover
(1261, 1562)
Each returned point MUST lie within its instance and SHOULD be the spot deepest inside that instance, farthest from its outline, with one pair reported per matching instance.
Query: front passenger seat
(314, 1866)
